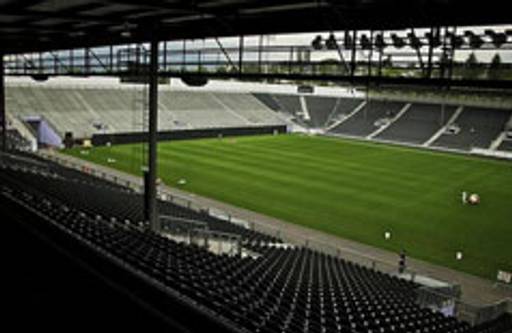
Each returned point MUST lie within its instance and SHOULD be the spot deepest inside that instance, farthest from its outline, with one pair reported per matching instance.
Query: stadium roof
(33, 25)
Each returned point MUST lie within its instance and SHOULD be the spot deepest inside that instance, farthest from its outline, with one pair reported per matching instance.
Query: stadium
(256, 166)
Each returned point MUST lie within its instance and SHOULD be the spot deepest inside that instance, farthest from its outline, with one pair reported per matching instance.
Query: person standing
(402, 265)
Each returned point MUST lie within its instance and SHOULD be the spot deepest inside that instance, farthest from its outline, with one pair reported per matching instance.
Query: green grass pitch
(351, 189)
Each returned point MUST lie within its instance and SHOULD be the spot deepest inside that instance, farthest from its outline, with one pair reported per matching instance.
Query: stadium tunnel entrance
(45, 134)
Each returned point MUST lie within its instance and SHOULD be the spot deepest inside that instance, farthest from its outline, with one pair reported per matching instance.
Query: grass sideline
(356, 190)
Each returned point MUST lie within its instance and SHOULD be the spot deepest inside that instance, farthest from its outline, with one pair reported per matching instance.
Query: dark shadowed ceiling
(31, 25)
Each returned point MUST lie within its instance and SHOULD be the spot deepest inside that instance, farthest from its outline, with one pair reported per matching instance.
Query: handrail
(464, 310)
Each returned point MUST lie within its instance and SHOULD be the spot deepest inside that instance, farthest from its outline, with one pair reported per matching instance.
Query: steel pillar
(353, 60)
(3, 124)
(151, 187)
(241, 54)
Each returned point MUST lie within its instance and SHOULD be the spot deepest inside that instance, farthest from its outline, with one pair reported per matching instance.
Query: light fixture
(317, 43)
(126, 33)
(76, 34)
(499, 39)
(40, 77)
(194, 80)
(414, 41)
(475, 41)
(456, 41)
(489, 32)
(331, 42)
(380, 43)
(434, 40)
(365, 42)
(398, 42)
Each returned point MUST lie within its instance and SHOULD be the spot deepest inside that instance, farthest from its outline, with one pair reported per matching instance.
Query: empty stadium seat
(293, 289)
(89, 111)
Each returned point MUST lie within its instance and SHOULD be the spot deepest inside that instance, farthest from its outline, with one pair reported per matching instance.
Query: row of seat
(476, 127)
(283, 289)
(99, 196)
(92, 110)
(15, 141)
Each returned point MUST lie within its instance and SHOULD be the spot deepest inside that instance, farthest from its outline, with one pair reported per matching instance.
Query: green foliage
(494, 71)
(472, 69)
(221, 70)
(388, 61)
(471, 61)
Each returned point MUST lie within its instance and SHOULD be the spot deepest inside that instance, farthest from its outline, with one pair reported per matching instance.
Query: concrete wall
(123, 138)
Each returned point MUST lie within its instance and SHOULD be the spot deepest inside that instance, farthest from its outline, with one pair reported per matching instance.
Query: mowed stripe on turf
(351, 189)
(376, 219)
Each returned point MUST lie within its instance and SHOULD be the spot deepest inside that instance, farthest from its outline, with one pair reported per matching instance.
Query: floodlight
(365, 42)
(76, 34)
(40, 77)
(456, 41)
(317, 43)
(126, 33)
(398, 42)
(473, 38)
(414, 41)
(434, 40)
(331, 42)
(380, 43)
(475, 41)
(498, 39)
(194, 80)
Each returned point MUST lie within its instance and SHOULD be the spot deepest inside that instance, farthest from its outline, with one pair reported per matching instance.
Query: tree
(472, 68)
(444, 63)
(329, 66)
(471, 61)
(388, 62)
(221, 69)
(494, 70)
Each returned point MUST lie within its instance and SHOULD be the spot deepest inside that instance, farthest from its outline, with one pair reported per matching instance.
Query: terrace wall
(125, 138)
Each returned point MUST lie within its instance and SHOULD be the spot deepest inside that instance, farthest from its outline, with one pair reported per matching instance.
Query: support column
(151, 189)
(241, 55)
(353, 61)
(3, 124)
(433, 34)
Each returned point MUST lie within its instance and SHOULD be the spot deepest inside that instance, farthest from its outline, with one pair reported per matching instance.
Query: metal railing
(443, 299)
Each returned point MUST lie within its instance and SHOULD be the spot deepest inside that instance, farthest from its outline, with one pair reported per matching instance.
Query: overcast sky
(305, 39)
